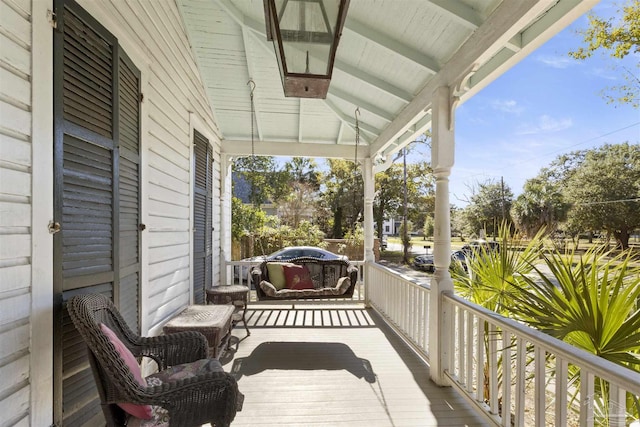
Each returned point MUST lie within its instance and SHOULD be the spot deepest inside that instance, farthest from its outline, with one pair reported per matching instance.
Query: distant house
(390, 227)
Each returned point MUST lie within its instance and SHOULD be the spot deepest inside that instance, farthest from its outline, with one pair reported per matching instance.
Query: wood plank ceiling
(391, 57)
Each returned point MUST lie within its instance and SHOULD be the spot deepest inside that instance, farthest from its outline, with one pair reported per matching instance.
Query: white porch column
(369, 194)
(442, 157)
(225, 215)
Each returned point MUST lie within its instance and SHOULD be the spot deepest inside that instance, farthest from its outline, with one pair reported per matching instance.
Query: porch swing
(304, 278)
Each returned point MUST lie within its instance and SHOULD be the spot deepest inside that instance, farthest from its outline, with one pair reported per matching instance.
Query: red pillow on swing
(297, 277)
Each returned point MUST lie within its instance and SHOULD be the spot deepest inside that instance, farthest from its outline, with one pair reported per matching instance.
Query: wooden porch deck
(335, 366)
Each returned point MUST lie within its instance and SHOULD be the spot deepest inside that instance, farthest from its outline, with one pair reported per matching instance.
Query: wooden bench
(213, 321)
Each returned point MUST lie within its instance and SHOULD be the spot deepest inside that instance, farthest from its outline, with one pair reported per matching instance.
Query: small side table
(231, 294)
(214, 322)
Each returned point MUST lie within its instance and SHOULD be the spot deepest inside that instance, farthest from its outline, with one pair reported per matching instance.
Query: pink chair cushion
(138, 411)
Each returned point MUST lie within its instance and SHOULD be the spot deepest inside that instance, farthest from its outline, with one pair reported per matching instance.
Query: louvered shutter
(202, 217)
(129, 191)
(96, 195)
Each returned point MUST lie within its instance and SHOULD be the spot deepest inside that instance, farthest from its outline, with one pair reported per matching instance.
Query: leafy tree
(428, 227)
(390, 193)
(304, 170)
(458, 223)
(265, 182)
(298, 204)
(277, 236)
(602, 187)
(300, 191)
(489, 206)
(619, 38)
(343, 196)
(245, 218)
(421, 192)
(389, 188)
(541, 205)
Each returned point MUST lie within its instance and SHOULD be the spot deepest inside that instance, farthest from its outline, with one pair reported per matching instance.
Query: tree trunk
(622, 237)
(337, 223)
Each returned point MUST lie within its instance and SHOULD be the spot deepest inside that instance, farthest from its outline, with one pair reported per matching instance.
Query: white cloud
(556, 61)
(605, 73)
(507, 105)
(545, 124)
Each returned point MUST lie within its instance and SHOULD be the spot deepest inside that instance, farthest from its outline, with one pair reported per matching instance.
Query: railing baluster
(492, 337)
(617, 405)
(521, 378)
(469, 351)
(506, 378)
(540, 383)
(561, 391)
(587, 389)
(462, 375)
(480, 350)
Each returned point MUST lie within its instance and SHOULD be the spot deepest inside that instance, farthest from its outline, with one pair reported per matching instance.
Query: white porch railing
(500, 363)
(539, 391)
(402, 302)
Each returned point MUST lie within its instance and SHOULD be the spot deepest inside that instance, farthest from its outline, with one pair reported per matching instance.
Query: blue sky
(548, 104)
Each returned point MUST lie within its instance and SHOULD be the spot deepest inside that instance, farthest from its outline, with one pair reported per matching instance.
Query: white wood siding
(15, 210)
(174, 89)
(153, 35)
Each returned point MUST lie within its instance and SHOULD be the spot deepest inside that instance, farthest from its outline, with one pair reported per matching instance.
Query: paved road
(408, 272)
(415, 249)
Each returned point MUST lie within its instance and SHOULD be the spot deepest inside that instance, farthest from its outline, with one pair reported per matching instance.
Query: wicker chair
(210, 397)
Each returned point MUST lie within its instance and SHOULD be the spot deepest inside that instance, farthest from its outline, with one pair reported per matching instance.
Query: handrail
(624, 377)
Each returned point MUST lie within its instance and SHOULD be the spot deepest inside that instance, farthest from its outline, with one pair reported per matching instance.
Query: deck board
(335, 366)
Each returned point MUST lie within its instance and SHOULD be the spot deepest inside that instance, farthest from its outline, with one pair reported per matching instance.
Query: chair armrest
(352, 272)
(256, 275)
(208, 398)
(256, 279)
(172, 349)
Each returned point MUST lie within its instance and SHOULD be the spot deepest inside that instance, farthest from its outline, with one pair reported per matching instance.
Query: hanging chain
(357, 113)
(355, 166)
(252, 85)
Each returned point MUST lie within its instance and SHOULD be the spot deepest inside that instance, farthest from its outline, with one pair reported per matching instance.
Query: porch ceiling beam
(510, 17)
(240, 18)
(557, 18)
(468, 17)
(376, 111)
(393, 46)
(350, 121)
(462, 12)
(372, 81)
(417, 129)
(326, 149)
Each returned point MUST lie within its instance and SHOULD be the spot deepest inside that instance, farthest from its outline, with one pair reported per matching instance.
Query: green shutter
(96, 195)
(202, 217)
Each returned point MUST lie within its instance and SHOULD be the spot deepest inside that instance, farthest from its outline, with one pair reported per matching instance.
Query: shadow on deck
(335, 366)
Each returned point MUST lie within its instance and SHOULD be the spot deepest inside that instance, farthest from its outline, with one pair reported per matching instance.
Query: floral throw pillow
(297, 277)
